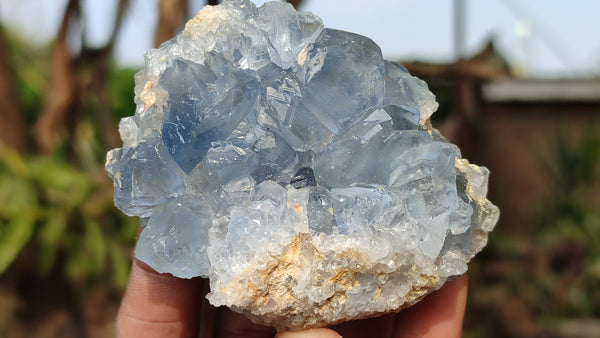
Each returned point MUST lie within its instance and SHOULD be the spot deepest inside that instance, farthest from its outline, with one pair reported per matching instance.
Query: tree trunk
(71, 85)
(171, 20)
(296, 3)
(61, 91)
(98, 85)
(13, 128)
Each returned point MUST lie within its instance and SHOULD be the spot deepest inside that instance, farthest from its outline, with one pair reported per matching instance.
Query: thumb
(310, 333)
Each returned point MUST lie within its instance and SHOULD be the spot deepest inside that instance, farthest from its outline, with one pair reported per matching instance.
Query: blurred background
(518, 84)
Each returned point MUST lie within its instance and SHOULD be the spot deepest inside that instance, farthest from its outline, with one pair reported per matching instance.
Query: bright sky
(541, 38)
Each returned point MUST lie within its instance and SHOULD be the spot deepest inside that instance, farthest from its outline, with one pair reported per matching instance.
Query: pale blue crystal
(206, 104)
(262, 216)
(225, 168)
(176, 237)
(144, 177)
(277, 159)
(340, 67)
(287, 31)
(408, 92)
(357, 208)
(257, 126)
(320, 211)
(250, 227)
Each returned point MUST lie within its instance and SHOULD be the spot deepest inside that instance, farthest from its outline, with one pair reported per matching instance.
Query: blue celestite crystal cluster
(296, 168)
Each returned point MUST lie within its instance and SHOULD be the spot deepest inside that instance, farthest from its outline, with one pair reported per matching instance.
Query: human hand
(160, 305)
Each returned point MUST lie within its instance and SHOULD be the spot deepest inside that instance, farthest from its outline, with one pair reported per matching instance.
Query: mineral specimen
(296, 169)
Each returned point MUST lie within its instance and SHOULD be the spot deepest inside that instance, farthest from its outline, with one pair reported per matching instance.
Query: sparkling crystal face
(261, 137)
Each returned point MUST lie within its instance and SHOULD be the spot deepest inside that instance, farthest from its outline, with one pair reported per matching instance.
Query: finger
(438, 315)
(381, 326)
(311, 333)
(232, 324)
(158, 305)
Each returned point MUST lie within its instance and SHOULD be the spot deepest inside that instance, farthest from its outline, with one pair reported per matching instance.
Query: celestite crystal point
(295, 168)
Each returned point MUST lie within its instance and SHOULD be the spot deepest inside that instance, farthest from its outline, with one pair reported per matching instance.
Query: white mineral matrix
(296, 169)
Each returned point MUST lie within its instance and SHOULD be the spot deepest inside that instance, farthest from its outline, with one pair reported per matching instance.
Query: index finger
(440, 314)
(158, 305)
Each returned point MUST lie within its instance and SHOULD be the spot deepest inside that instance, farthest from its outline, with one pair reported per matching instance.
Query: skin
(160, 305)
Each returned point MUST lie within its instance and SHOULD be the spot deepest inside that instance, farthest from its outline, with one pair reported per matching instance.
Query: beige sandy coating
(278, 301)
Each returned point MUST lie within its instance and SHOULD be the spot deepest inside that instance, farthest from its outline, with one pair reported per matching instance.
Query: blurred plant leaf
(58, 207)
(15, 234)
(93, 242)
(62, 184)
(120, 265)
(13, 161)
(567, 232)
(77, 265)
(49, 236)
(121, 87)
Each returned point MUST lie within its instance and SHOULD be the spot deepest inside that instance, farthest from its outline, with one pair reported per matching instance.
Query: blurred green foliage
(31, 64)
(567, 226)
(529, 281)
(58, 208)
(65, 216)
(120, 85)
